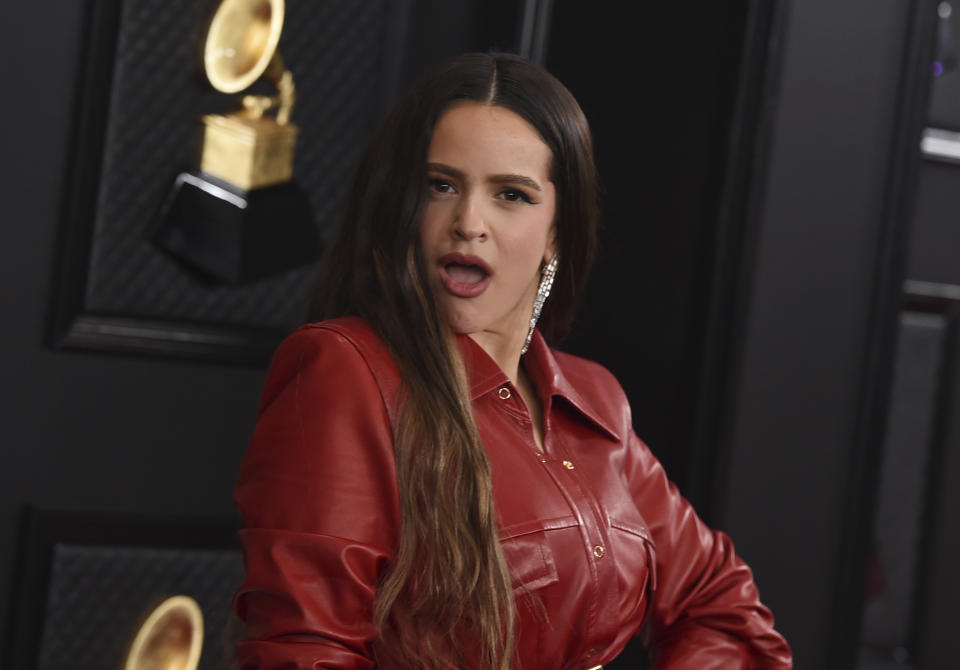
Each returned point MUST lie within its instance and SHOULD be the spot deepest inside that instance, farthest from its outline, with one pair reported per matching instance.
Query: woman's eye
(440, 186)
(515, 195)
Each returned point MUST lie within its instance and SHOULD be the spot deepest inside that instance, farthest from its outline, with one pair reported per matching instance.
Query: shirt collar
(485, 375)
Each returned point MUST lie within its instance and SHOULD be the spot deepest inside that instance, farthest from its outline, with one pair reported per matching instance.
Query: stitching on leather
(537, 525)
(633, 530)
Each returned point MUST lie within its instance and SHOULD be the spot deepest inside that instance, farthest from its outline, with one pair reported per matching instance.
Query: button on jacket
(600, 544)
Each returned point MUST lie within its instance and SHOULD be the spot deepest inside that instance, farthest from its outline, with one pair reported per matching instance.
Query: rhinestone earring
(543, 290)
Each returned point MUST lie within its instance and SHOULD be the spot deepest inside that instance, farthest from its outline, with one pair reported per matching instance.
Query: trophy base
(251, 153)
(231, 235)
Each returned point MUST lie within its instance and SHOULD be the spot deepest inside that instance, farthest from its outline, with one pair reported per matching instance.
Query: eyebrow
(498, 178)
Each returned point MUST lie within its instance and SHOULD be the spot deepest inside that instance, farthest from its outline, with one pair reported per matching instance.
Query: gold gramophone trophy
(169, 638)
(241, 217)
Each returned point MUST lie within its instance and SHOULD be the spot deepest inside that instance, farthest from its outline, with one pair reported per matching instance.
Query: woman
(429, 485)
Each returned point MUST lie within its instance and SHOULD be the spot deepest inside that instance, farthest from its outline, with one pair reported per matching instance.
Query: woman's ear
(551, 249)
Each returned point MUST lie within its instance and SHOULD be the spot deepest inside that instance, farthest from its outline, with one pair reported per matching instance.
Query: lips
(463, 275)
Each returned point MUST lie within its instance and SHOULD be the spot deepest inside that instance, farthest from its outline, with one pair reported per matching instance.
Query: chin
(469, 317)
(465, 321)
(464, 326)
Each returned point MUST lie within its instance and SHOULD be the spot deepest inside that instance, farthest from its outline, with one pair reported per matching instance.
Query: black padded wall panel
(335, 50)
(98, 594)
(138, 124)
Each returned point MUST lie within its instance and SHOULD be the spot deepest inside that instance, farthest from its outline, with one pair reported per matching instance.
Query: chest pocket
(641, 566)
(638, 529)
(529, 557)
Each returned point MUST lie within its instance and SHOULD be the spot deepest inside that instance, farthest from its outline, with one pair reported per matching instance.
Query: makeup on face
(488, 222)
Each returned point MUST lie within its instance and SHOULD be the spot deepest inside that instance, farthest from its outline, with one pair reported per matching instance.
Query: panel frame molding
(71, 325)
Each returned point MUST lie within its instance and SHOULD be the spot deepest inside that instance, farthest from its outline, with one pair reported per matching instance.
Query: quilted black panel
(97, 595)
(335, 49)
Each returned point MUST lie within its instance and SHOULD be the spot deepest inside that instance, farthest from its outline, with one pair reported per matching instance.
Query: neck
(504, 349)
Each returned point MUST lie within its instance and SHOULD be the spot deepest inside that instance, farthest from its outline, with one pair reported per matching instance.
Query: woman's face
(488, 223)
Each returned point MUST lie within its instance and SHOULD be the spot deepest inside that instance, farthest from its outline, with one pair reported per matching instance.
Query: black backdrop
(680, 95)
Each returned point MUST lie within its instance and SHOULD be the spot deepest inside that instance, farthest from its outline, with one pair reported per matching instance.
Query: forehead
(489, 137)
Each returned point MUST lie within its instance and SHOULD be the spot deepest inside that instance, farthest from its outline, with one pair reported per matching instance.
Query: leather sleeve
(706, 612)
(317, 491)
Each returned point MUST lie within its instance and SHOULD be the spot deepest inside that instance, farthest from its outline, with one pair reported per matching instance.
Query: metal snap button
(504, 393)
(599, 551)
(568, 465)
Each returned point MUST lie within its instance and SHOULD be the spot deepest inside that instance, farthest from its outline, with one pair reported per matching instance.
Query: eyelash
(520, 196)
(511, 195)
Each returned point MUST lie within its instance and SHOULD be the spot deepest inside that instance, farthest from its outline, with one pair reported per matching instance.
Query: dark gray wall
(83, 431)
(803, 362)
(934, 587)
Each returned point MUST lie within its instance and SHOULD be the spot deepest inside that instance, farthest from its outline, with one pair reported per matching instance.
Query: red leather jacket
(591, 526)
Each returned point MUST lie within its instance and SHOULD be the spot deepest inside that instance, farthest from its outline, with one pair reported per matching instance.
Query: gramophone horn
(170, 638)
(242, 39)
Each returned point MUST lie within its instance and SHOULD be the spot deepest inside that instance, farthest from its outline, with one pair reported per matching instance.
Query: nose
(469, 222)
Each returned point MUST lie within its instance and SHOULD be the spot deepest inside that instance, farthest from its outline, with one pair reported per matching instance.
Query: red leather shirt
(590, 527)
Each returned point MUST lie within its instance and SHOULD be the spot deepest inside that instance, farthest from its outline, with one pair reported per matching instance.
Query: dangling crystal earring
(546, 283)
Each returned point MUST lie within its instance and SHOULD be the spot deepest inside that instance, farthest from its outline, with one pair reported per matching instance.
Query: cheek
(536, 236)
(429, 227)
(527, 249)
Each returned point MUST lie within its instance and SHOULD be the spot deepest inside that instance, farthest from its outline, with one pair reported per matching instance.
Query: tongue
(465, 274)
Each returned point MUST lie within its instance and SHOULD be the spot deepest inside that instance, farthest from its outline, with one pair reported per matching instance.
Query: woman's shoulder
(350, 336)
(342, 349)
(347, 329)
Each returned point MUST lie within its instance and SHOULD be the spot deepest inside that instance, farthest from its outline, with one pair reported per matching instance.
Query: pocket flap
(529, 556)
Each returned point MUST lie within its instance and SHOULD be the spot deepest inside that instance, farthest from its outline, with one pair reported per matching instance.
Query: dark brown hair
(448, 599)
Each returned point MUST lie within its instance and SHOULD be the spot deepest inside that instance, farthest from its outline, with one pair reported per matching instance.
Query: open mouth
(464, 276)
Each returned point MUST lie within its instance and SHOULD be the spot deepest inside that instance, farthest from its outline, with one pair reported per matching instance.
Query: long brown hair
(448, 599)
